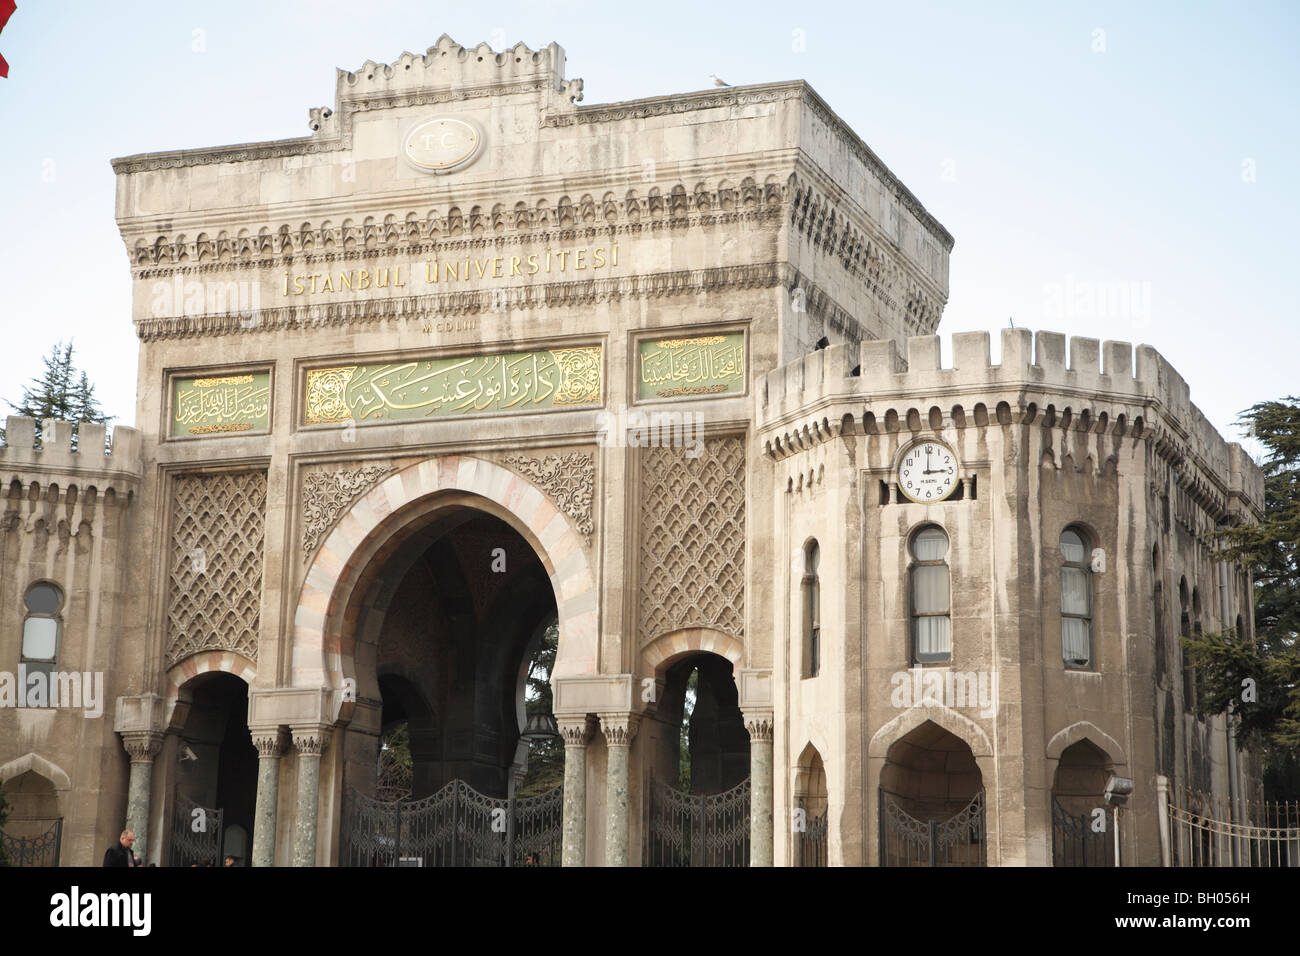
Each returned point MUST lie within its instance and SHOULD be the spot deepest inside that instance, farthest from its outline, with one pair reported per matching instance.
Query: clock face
(928, 472)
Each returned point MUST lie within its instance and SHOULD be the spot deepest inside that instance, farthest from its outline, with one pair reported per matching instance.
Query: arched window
(1076, 600)
(812, 611)
(42, 629)
(931, 625)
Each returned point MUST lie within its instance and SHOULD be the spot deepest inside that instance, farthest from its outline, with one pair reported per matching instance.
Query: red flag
(7, 8)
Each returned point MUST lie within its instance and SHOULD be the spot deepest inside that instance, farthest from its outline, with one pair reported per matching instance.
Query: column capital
(311, 740)
(576, 731)
(270, 743)
(142, 745)
(759, 723)
(619, 729)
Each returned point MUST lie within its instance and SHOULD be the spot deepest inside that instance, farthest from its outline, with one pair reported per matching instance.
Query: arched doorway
(699, 786)
(454, 641)
(1080, 819)
(931, 801)
(33, 831)
(216, 776)
(812, 811)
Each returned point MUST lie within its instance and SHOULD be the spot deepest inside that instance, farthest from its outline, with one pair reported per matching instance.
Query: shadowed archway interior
(443, 626)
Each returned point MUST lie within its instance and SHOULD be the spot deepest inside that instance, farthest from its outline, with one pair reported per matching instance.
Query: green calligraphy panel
(681, 368)
(439, 388)
(228, 404)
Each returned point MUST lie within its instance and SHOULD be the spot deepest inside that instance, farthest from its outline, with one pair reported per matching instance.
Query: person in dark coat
(120, 853)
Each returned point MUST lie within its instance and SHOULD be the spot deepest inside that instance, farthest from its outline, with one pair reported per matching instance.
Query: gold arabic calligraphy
(232, 403)
(710, 365)
(460, 386)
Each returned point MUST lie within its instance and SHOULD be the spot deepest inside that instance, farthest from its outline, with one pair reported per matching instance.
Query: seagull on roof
(718, 82)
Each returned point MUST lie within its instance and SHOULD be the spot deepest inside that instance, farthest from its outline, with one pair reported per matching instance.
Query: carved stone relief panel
(218, 524)
(693, 539)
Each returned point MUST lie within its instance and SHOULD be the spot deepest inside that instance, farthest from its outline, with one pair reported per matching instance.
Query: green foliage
(61, 392)
(684, 743)
(1228, 668)
(545, 758)
(396, 768)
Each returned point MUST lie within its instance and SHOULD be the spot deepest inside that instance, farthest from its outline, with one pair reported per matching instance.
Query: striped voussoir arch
(180, 673)
(318, 640)
(668, 647)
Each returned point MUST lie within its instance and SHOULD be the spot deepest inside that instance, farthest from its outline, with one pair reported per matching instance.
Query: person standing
(120, 853)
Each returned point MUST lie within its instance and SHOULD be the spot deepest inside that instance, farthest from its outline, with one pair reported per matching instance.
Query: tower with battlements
(477, 388)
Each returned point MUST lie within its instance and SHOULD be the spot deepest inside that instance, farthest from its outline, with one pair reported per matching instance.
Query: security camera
(1118, 790)
(187, 754)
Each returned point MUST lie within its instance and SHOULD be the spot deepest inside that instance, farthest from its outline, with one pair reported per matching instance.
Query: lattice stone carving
(569, 480)
(693, 539)
(325, 495)
(215, 577)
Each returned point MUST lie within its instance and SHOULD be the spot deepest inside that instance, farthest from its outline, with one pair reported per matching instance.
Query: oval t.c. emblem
(442, 144)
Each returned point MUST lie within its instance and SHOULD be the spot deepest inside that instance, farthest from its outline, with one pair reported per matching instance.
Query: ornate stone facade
(218, 525)
(693, 539)
(424, 486)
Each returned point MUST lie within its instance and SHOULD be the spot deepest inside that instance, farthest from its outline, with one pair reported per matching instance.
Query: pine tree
(62, 393)
(1261, 677)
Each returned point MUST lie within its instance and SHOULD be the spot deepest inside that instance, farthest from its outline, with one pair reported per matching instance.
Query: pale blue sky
(1057, 166)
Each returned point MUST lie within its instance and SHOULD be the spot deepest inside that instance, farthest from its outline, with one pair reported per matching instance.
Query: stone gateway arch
(521, 481)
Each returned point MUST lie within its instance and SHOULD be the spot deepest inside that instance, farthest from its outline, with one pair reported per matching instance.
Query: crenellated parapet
(52, 471)
(1079, 386)
(446, 73)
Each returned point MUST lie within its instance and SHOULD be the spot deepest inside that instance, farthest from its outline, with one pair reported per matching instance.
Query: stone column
(143, 746)
(759, 726)
(576, 733)
(270, 747)
(619, 729)
(310, 742)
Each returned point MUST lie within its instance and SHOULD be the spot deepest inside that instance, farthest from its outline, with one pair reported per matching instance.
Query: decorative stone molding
(759, 727)
(859, 248)
(311, 741)
(619, 729)
(217, 533)
(142, 746)
(472, 223)
(451, 304)
(576, 733)
(693, 539)
(325, 495)
(270, 744)
(569, 481)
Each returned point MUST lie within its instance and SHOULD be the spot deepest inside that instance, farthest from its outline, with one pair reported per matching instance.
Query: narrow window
(1076, 601)
(42, 629)
(812, 614)
(931, 625)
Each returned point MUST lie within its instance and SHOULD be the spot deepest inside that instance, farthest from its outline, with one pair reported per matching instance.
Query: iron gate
(39, 850)
(811, 839)
(688, 829)
(907, 841)
(457, 826)
(195, 834)
(1074, 843)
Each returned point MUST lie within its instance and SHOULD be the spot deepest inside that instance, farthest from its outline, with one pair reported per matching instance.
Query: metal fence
(690, 829)
(39, 850)
(811, 841)
(457, 826)
(958, 840)
(1201, 831)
